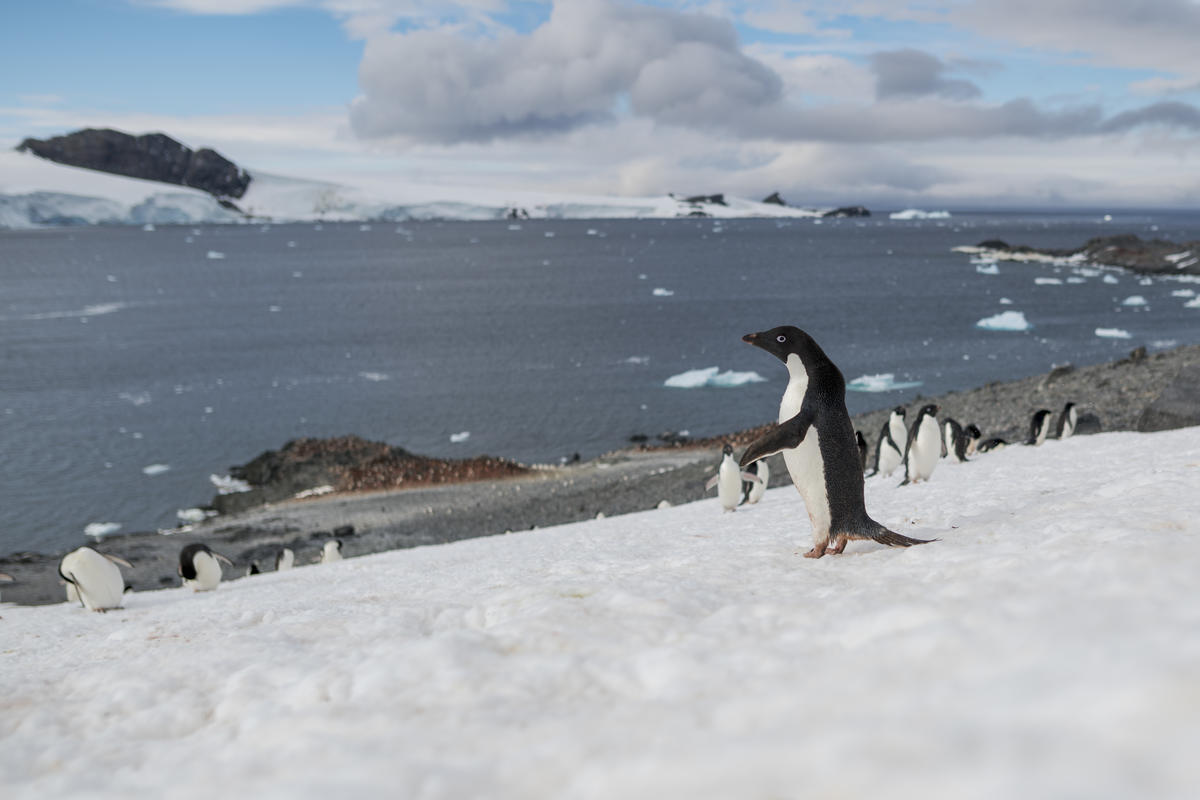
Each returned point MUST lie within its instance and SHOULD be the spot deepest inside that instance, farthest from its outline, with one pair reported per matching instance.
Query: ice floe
(712, 376)
(215, 255)
(1113, 333)
(661, 292)
(460, 437)
(1048, 281)
(882, 382)
(1005, 321)
(155, 469)
(916, 213)
(227, 484)
(987, 268)
(1134, 300)
(101, 529)
(374, 377)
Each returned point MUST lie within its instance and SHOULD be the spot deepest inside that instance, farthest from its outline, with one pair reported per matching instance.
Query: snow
(1045, 647)
(916, 213)
(882, 382)
(35, 192)
(1005, 321)
(712, 376)
(1113, 333)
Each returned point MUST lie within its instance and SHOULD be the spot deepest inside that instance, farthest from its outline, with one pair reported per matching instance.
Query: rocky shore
(1138, 393)
(1127, 251)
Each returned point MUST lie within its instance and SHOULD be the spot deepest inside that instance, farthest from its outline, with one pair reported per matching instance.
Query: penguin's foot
(817, 551)
(839, 544)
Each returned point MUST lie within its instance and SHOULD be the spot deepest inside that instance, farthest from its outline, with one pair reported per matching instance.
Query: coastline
(1138, 392)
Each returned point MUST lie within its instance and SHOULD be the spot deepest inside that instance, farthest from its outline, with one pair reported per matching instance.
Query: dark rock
(1178, 406)
(516, 213)
(848, 211)
(1125, 250)
(774, 199)
(152, 156)
(1088, 424)
(715, 199)
(343, 530)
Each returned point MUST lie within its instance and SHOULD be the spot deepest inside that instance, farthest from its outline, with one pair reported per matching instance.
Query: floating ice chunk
(1076, 279)
(1113, 333)
(375, 376)
(661, 292)
(316, 491)
(1048, 281)
(364, 227)
(194, 514)
(1111, 279)
(1005, 321)
(549, 234)
(592, 232)
(1089, 272)
(712, 376)
(135, 398)
(101, 529)
(149, 226)
(882, 382)
(1004, 301)
(229, 485)
(1183, 293)
(460, 437)
(1164, 344)
(987, 268)
(638, 360)
(1192, 303)
(274, 309)
(1175, 258)
(215, 255)
(916, 213)
(1134, 300)
(155, 469)
(1191, 262)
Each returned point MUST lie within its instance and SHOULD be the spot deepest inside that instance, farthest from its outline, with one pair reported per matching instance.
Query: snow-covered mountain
(35, 192)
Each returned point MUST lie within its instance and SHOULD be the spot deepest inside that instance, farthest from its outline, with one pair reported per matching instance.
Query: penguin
(253, 569)
(200, 567)
(889, 450)
(332, 551)
(285, 560)
(973, 435)
(992, 444)
(816, 437)
(1039, 426)
(728, 480)
(753, 491)
(956, 440)
(93, 579)
(1067, 420)
(924, 446)
(862, 448)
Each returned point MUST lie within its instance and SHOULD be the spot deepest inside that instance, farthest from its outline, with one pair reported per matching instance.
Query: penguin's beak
(750, 338)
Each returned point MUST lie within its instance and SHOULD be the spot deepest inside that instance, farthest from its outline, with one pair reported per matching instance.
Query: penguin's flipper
(750, 477)
(783, 436)
(70, 576)
(711, 482)
(220, 557)
(117, 560)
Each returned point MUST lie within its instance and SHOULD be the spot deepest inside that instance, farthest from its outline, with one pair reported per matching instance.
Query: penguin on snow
(753, 491)
(889, 450)
(93, 578)
(728, 480)
(1039, 427)
(332, 551)
(200, 567)
(956, 440)
(286, 559)
(924, 446)
(816, 437)
(1068, 418)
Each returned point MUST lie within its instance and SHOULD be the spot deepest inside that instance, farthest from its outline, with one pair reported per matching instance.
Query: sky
(970, 104)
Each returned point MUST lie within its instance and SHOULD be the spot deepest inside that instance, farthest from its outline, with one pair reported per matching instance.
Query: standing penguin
(816, 437)
(200, 567)
(332, 551)
(285, 560)
(889, 450)
(93, 579)
(728, 480)
(956, 440)
(753, 491)
(924, 446)
(862, 448)
(1039, 426)
(1067, 421)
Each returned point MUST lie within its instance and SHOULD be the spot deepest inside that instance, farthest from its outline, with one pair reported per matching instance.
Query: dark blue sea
(136, 363)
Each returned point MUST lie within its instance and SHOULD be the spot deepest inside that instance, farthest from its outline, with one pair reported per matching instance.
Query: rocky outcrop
(152, 156)
(848, 211)
(774, 199)
(1128, 251)
(714, 199)
(350, 464)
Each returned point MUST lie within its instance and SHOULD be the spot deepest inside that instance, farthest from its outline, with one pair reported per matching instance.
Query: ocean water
(135, 364)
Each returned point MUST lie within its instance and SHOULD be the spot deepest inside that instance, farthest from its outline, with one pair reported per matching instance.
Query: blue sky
(976, 102)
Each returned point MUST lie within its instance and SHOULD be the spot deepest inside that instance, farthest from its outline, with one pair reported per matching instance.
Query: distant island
(1154, 257)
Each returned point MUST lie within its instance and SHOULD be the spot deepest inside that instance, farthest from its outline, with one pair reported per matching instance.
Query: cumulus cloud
(590, 59)
(912, 73)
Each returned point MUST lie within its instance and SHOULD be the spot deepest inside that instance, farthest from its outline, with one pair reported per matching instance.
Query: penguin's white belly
(925, 450)
(807, 469)
(757, 490)
(208, 573)
(98, 582)
(729, 485)
(889, 459)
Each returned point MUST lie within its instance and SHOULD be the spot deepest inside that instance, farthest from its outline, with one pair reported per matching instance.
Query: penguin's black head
(899, 411)
(974, 432)
(727, 450)
(785, 341)
(930, 409)
(1067, 408)
(187, 559)
(338, 543)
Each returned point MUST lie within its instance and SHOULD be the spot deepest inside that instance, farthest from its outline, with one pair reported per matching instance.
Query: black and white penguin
(253, 569)
(753, 491)
(992, 444)
(955, 441)
(924, 446)
(93, 579)
(973, 435)
(285, 560)
(200, 567)
(1039, 426)
(728, 480)
(889, 450)
(816, 437)
(1067, 420)
(332, 551)
(862, 448)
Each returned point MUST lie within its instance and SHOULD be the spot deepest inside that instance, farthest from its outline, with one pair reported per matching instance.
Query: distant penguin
(924, 446)
(816, 437)
(728, 480)
(332, 551)
(955, 442)
(862, 448)
(889, 450)
(1067, 420)
(285, 560)
(753, 491)
(253, 569)
(973, 435)
(200, 567)
(1039, 426)
(93, 579)
(992, 444)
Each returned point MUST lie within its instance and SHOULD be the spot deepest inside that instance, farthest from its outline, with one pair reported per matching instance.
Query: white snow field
(1047, 647)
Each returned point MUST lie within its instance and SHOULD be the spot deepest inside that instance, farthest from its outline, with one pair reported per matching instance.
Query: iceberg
(1134, 300)
(229, 485)
(1048, 281)
(712, 376)
(99, 530)
(883, 382)
(1005, 321)
(987, 268)
(155, 469)
(1113, 333)
(916, 213)
(460, 437)
(661, 292)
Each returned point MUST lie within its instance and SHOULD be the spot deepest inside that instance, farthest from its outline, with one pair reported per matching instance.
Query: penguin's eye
(781, 338)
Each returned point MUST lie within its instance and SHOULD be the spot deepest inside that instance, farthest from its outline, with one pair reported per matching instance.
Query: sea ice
(101, 529)
(375, 377)
(1048, 281)
(1183, 293)
(215, 255)
(916, 213)
(1113, 333)
(1111, 279)
(661, 292)
(882, 382)
(460, 437)
(638, 360)
(193, 515)
(1192, 303)
(227, 484)
(1134, 300)
(712, 376)
(155, 469)
(1005, 321)
(987, 268)
(1004, 301)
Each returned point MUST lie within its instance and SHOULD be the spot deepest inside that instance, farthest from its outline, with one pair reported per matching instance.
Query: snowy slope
(1048, 646)
(34, 192)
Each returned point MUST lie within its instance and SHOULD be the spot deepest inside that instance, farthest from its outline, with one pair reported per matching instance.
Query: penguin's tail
(890, 538)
